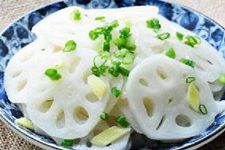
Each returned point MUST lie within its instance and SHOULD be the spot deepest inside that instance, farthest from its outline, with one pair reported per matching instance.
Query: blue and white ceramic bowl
(18, 34)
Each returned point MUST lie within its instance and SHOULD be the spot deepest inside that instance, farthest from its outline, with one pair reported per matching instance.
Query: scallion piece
(190, 79)
(122, 121)
(67, 143)
(180, 36)
(153, 24)
(100, 18)
(52, 74)
(70, 46)
(222, 79)
(76, 15)
(192, 41)
(116, 92)
(124, 71)
(188, 62)
(170, 53)
(202, 109)
(163, 36)
(104, 116)
(93, 35)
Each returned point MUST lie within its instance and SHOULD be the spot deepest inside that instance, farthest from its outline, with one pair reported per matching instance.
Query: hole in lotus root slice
(45, 105)
(80, 114)
(161, 122)
(21, 84)
(143, 82)
(91, 97)
(16, 72)
(161, 73)
(73, 64)
(86, 74)
(183, 121)
(60, 120)
(149, 106)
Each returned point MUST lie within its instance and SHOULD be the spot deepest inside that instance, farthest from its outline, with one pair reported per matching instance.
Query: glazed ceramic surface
(19, 34)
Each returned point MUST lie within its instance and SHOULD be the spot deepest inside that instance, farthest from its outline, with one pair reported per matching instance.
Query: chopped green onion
(125, 33)
(114, 24)
(121, 53)
(52, 74)
(76, 15)
(170, 53)
(125, 40)
(122, 121)
(93, 35)
(67, 143)
(106, 46)
(114, 70)
(106, 32)
(100, 18)
(180, 36)
(104, 116)
(124, 71)
(192, 41)
(203, 110)
(105, 55)
(188, 62)
(130, 44)
(190, 79)
(116, 92)
(222, 79)
(163, 36)
(128, 59)
(70, 46)
(95, 70)
(153, 24)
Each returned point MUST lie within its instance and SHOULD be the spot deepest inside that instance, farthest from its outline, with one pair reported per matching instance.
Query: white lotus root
(62, 27)
(209, 65)
(157, 91)
(66, 108)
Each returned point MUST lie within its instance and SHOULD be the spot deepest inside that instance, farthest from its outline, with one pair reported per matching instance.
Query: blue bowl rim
(36, 141)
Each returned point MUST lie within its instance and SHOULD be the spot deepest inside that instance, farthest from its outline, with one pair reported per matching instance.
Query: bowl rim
(43, 144)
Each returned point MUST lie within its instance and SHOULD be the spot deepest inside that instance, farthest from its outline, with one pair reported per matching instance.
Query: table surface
(12, 9)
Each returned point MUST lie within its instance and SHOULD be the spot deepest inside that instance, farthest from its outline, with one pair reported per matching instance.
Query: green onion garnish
(125, 40)
(76, 15)
(180, 36)
(190, 79)
(170, 53)
(52, 74)
(203, 110)
(106, 46)
(105, 31)
(188, 62)
(192, 41)
(124, 71)
(70, 46)
(116, 92)
(153, 24)
(222, 79)
(100, 18)
(163, 36)
(122, 121)
(93, 35)
(67, 143)
(104, 116)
